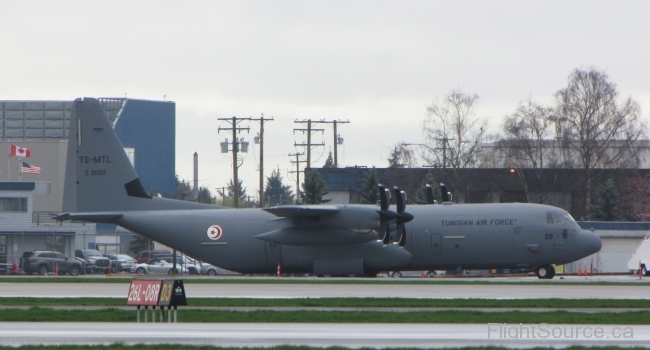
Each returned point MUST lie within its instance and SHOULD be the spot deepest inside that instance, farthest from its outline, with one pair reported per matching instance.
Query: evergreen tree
(242, 190)
(313, 188)
(607, 208)
(370, 190)
(205, 196)
(329, 162)
(183, 190)
(421, 194)
(276, 193)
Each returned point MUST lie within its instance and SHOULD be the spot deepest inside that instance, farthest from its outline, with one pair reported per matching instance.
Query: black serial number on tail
(94, 160)
(98, 172)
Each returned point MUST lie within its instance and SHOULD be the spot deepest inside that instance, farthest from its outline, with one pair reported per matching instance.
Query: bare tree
(597, 131)
(528, 143)
(402, 157)
(454, 135)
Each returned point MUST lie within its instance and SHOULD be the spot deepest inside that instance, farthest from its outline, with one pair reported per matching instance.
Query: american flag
(30, 169)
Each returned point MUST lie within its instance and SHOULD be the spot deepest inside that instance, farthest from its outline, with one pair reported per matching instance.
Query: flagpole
(20, 166)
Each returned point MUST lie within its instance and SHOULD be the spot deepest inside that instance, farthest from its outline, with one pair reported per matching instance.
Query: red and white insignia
(214, 232)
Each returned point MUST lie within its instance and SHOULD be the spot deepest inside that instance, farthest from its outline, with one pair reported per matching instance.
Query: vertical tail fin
(99, 175)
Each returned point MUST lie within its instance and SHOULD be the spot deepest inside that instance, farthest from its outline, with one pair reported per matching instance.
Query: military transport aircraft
(102, 186)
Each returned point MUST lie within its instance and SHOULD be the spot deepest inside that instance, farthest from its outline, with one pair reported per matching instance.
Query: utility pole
(235, 148)
(308, 145)
(260, 140)
(337, 138)
(297, 171)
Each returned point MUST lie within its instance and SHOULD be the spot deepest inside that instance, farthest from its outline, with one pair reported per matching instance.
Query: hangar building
(147, 132)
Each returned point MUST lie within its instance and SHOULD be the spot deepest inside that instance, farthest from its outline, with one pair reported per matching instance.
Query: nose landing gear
(545, 272)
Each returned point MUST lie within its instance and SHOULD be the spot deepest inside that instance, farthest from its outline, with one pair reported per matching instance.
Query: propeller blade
(400, 200)
(383, 196)
(385, 216)
(402, 240)
(430, 199)
(386, 239)
(445, 194)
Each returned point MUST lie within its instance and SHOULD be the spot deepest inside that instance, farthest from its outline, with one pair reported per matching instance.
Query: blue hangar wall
(149, 128)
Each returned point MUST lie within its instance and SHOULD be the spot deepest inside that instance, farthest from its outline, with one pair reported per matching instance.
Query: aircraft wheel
(545, 272)
(396, 274)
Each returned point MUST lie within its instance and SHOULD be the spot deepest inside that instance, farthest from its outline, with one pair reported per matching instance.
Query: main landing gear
(545, 272)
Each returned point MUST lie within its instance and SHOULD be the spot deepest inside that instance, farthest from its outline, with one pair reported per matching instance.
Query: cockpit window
(557, 218)
(568, 218)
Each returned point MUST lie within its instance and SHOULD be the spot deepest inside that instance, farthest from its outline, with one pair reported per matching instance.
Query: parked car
(193, 266)
(147, 255)
(93, 260)
(211, 270)
(48, 261)
(120, 262)
(400, 274)
(157, 266)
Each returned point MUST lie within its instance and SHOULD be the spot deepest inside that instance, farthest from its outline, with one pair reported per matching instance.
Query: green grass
(288, 280)
(38, 314)
(284, 347)
(348, 302)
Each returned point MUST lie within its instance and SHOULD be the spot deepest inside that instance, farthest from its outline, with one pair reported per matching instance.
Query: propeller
(402, 217)
(445, 194)
(430, 199)
(385, 216)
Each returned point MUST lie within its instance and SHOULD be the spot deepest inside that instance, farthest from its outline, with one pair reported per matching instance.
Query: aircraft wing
(293, 211)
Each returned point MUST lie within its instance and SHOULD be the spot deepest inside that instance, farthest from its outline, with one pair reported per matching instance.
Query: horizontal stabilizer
(292, 211)
(92, 217)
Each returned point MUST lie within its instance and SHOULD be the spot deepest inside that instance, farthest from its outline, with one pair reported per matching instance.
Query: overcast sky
(378, 64)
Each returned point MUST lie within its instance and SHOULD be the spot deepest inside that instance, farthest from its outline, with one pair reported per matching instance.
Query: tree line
(588, 127)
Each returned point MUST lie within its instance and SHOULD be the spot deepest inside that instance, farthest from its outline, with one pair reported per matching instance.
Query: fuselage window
(565, 234)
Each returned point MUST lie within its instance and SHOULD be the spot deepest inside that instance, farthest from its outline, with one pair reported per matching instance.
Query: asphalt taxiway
(361, 290)
(324, 335)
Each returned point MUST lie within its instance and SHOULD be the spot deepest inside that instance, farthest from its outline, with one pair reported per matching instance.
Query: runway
(421, 291)
(324, 335)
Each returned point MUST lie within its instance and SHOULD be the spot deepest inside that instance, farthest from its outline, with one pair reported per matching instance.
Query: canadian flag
(17, 151)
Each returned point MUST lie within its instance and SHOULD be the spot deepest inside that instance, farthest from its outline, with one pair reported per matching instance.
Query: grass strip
(349, 302)
(38, 314)
(288, 280)
(119, 346)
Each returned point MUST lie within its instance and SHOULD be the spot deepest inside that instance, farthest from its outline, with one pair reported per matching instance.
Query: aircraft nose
(590, 243)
